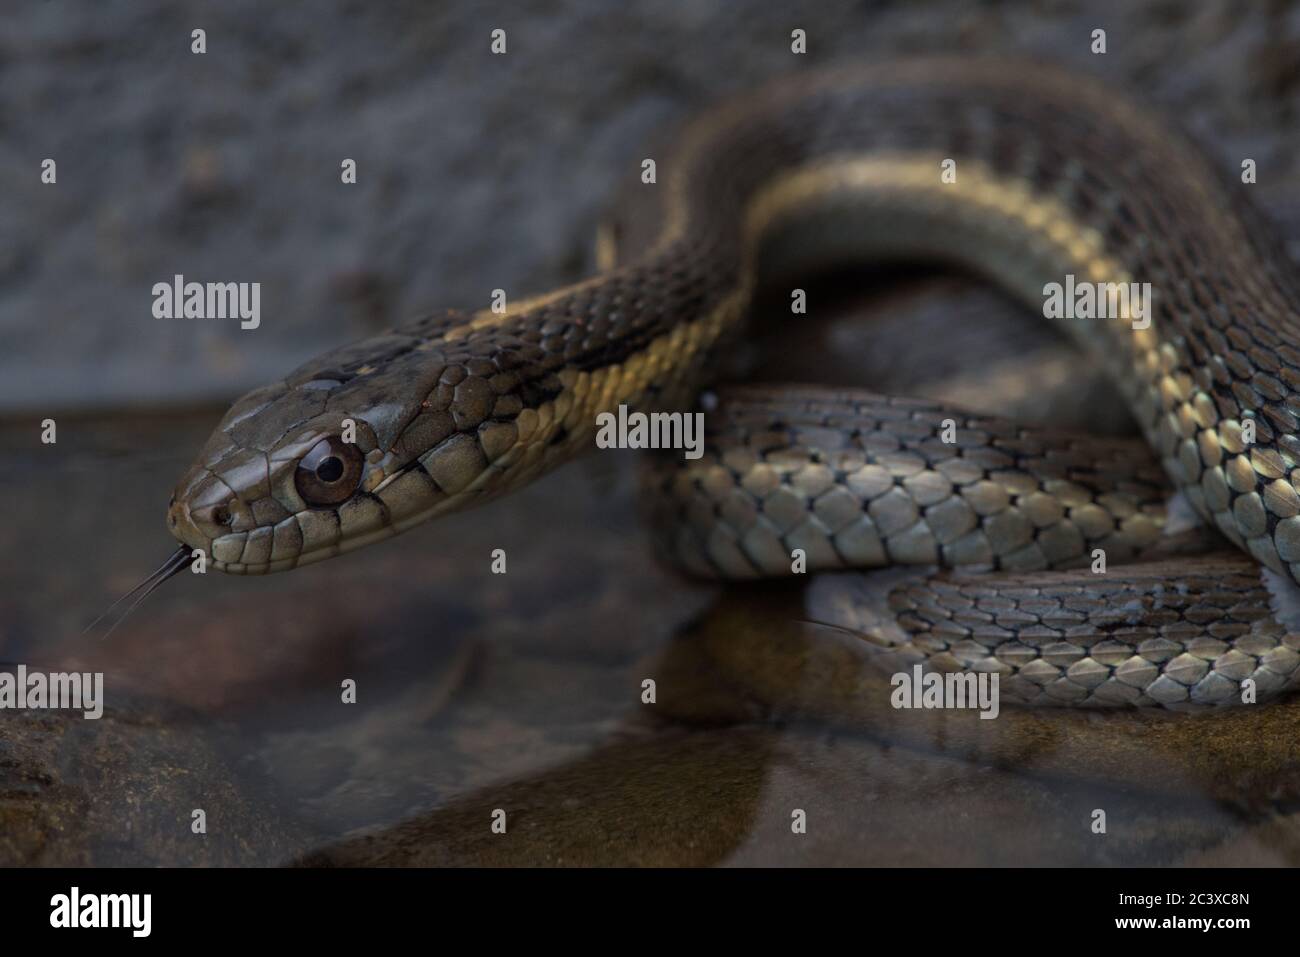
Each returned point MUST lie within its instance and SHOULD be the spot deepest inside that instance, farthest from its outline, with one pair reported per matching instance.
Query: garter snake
(1055, 175)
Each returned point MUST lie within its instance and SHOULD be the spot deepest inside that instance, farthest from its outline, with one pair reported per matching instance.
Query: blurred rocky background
(474, 171)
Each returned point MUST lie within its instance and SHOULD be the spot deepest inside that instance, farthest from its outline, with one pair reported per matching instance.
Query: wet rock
(739, 796)
(120, 791)
(668, 800)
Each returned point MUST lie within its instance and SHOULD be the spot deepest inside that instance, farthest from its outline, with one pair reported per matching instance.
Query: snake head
(358, 445)
(254, 510)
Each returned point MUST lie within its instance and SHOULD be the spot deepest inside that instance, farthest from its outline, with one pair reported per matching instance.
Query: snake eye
(329, 473)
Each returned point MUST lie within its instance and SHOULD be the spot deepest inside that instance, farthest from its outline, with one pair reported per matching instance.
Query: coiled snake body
(1054, 176)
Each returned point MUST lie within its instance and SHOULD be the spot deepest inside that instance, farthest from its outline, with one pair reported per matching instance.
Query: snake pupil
(330, 469)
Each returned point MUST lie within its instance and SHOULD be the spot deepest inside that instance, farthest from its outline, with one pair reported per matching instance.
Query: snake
(1020, 171)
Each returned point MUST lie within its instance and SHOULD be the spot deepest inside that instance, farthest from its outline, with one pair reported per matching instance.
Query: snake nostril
(221, 515)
